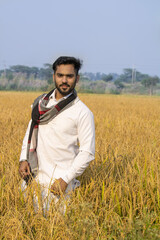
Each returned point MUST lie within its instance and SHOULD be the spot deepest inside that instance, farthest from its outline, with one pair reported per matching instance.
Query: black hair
(68, 60)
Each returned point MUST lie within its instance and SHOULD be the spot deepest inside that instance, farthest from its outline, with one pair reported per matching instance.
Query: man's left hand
(59, 187)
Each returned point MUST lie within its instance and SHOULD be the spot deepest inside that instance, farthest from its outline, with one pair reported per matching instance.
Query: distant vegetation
(24, 78)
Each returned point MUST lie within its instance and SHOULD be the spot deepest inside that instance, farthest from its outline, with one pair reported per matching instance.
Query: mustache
(64, 84)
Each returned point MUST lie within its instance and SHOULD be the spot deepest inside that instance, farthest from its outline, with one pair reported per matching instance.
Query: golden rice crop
(119, 197)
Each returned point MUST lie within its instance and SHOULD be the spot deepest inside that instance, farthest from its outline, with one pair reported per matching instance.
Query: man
(61, 134)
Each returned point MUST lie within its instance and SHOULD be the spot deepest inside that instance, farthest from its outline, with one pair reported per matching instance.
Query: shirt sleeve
(86, 137)
(24, 145)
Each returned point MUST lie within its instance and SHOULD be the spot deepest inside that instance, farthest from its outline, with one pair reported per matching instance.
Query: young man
(60, 138)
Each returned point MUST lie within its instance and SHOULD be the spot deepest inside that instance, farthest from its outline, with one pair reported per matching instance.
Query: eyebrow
(67, 75)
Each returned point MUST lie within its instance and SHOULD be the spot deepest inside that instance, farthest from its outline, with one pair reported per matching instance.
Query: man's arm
(24, 169)
(86, 136)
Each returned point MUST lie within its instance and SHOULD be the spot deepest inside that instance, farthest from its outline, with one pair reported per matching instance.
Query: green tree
(119, 84)
(21, 69)
(46, 73)
(34, 71)
(83, 78)
(107, 78)
(126, 76)
(150, 83)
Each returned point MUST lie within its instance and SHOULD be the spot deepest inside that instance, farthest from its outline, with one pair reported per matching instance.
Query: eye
(70, 75)
(59, 75)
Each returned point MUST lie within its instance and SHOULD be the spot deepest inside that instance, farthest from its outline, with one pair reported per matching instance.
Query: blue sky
(108, 35)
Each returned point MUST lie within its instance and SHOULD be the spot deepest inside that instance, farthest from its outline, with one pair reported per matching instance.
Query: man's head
(65, 75)
(64, 60)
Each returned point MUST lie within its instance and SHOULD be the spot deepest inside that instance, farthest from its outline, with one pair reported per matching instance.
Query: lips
(64, 86)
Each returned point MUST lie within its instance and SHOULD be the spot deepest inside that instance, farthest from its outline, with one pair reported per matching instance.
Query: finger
(54, 190)
(23, 173)
(28, 169)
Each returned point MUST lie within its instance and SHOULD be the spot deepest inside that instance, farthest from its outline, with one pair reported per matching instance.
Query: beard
(63, 91)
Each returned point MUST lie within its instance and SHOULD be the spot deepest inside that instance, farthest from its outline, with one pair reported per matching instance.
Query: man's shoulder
(81, 107)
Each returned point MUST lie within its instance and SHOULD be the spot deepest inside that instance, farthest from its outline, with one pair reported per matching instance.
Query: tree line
(20, 77)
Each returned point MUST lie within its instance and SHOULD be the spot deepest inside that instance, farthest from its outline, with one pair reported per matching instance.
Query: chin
(66, 91)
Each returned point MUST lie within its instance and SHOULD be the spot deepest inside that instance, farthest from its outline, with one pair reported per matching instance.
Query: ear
(53, 78)
(78, 77)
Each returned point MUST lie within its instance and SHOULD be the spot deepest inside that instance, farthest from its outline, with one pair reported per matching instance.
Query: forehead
(65, 68)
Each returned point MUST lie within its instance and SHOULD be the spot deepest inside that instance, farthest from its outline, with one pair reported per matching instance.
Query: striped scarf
(42, 115)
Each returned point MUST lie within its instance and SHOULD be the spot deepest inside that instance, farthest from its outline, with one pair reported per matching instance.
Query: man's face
(65, 79)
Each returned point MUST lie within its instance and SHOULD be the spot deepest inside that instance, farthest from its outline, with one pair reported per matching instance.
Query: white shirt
(66, 144)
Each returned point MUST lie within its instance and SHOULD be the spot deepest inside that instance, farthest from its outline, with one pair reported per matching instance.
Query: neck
(58, 95)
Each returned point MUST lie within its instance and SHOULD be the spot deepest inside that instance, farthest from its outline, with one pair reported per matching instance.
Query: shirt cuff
(67, 179)
(23, 160)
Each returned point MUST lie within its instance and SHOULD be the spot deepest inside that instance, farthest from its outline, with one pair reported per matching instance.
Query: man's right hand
(24, 169)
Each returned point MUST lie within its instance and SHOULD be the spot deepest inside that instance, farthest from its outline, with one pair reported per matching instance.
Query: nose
(64, 79)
